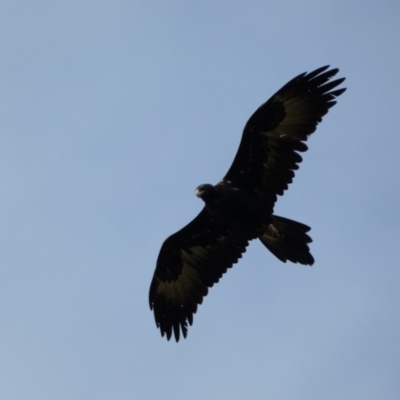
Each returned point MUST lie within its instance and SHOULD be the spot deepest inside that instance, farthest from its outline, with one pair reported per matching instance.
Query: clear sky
(111, 113)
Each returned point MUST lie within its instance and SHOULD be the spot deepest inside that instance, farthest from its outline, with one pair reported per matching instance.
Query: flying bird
(240, 207)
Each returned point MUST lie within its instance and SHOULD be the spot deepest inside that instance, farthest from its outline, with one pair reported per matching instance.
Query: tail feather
(288, 240)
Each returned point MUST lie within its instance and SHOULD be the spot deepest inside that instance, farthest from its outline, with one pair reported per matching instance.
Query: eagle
(240, 207)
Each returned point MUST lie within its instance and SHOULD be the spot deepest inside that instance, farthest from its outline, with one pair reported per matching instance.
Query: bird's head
(204, 191)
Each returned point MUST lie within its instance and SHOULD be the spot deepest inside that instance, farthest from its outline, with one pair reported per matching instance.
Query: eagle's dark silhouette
(240, 207)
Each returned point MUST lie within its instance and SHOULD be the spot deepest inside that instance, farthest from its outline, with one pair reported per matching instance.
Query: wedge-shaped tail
(288, 240)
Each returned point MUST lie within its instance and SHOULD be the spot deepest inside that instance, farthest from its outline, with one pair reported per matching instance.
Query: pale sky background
(111, 113)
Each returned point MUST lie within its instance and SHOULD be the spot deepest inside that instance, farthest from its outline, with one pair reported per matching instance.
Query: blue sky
(111, 114)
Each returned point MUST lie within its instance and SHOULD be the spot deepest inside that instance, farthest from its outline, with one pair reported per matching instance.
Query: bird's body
(240, 207)
(233, 207)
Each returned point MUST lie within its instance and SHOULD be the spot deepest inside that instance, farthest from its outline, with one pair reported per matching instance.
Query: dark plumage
(240, 207)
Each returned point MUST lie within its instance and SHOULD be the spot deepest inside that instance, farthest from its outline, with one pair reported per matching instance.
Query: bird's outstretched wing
(191, 261)
(268, 152)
